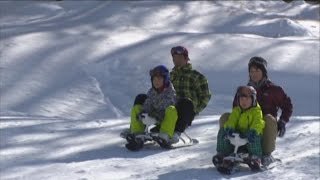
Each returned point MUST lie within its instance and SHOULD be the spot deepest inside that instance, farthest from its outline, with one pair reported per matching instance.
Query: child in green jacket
(247, 120)
(159, 105)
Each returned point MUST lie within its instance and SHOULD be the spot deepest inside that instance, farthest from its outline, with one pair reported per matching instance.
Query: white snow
(70, 70)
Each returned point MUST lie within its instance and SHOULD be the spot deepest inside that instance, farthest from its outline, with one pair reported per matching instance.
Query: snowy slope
(69, 71)
(48, 148)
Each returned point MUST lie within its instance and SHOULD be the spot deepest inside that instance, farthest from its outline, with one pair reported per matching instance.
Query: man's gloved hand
(251, 135)
(281, 128)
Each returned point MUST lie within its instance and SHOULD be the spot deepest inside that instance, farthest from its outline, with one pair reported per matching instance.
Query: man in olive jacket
(191, 86)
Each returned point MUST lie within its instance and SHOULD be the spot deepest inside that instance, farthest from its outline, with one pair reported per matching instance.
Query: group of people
(176, 97)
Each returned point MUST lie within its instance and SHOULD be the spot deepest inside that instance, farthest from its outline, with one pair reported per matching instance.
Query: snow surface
(69, 72)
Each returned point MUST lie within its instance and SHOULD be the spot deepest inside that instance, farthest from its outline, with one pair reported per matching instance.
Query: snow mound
(28, 13)
(276, 28)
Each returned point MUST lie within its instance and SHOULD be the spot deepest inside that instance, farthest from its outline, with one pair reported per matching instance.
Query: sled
(232, 163)
(148, 136)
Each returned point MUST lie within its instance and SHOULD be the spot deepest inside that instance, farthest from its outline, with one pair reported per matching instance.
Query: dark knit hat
(259, 63)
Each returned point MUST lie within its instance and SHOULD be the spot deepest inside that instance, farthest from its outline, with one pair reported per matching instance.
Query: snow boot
(227, 167)
(124, 133)
(175, 138)
(254, 162)
(163, 140)
(267, 160)
(217, 159)
(134, 144)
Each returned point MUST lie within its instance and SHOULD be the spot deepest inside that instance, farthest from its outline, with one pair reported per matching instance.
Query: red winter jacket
(272, 97)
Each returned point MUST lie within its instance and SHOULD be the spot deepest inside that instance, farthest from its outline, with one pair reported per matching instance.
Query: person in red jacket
(271, 97)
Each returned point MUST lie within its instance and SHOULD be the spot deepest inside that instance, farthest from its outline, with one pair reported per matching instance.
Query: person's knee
(184, 104)
(140, 99)
(135, 110)
(268, 118)
(223, 119)
(270, 123)
(171, 111)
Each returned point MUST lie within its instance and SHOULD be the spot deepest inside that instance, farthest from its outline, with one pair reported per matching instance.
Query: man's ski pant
(269, 132)
(186, 114)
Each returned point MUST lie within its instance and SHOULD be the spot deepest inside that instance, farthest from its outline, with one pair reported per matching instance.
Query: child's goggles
(156, 72)
(244, 95)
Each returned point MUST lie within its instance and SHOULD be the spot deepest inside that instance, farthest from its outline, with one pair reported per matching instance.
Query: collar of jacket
(159, 90)
(187, 67)
(259, 84)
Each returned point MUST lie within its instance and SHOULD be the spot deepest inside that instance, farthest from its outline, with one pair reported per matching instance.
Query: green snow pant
(224, 146)
(269, 135)
(167, 125)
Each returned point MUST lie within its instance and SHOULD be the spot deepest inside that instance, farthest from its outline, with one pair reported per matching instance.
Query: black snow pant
(186, 114)
(140, 99)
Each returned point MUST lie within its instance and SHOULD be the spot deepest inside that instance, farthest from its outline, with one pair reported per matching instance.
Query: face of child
(255, 74)
(245, 101)
(157, 81)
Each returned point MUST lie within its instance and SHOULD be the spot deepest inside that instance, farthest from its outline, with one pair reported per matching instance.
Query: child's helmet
(245, 91)
(163, 71)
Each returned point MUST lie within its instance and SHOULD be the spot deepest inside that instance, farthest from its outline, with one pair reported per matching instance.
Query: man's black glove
(281, 128)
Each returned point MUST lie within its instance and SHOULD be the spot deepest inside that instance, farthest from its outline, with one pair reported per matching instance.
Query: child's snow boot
(163, 140)
(217, 159)
(124, 133)
(254, 162)
(134, 144)
(175, 138)
(227, 167)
